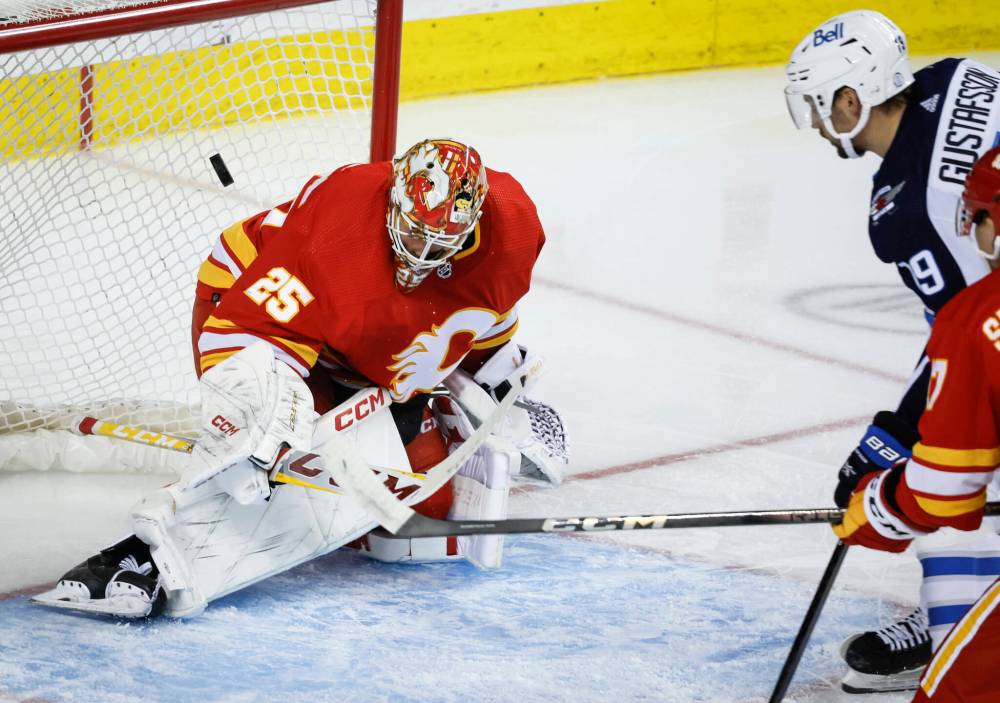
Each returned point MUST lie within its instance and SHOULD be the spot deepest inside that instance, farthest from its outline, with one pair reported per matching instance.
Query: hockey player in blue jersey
(850, 79)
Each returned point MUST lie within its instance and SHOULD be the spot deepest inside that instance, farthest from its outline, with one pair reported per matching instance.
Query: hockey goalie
(378, 282)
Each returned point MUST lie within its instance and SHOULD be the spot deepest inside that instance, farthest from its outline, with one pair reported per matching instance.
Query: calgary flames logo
(433, 355)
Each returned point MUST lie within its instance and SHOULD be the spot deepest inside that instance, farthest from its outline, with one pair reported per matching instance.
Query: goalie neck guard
(437, 195)
(862, 50)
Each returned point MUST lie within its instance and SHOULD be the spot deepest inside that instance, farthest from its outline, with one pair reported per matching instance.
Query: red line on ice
(736, 445)
(718, 329)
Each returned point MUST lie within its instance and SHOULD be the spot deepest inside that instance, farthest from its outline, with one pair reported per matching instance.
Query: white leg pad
(152, 519)
(216, 545)
(481, 489)
(416, 550)
(207, 544)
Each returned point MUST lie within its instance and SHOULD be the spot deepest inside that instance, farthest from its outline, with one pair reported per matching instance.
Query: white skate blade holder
(857, 682)
(122, 606)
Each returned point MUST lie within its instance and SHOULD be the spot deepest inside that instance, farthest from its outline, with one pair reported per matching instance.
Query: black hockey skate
(121, 581)
(889, 659)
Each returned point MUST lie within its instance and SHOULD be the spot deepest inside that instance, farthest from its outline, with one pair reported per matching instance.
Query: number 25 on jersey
(281, 294)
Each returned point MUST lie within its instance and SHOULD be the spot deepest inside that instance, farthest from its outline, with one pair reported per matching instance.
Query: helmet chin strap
(845, 137)
(993, 255)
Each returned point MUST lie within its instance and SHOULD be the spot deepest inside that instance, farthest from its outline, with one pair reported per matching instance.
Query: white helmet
(862, 50)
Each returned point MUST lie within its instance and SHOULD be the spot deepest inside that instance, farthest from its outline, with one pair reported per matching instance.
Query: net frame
(162, 14)
(54, 31)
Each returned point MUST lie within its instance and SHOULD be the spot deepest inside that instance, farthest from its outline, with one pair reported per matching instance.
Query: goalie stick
(293, 467)
(351, 472)
(310, 470)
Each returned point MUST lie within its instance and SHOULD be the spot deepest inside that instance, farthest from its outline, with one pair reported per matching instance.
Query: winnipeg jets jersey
(952, 117)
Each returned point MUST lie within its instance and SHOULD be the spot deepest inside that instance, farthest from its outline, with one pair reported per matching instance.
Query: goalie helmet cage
(112, 113)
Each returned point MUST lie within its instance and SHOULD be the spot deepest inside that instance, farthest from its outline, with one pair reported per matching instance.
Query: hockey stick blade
(352, 473)
(417, 525)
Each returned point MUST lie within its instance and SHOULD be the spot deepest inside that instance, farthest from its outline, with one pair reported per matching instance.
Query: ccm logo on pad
(224, 426)
(360, 410)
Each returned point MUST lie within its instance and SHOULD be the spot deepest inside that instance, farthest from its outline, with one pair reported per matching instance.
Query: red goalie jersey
(314, 278)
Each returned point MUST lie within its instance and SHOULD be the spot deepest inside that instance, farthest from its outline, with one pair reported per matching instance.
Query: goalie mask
(862, 50)
(981, 199)
(437, 195)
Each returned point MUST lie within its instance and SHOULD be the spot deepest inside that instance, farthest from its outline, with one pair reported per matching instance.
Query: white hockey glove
(535, 429)
(251, 405)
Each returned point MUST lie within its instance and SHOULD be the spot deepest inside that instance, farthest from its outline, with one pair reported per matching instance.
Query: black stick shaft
(808, 623)
(420, 526)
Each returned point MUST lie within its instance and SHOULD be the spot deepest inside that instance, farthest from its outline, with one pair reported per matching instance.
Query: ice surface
(717, 333)
(566, 620)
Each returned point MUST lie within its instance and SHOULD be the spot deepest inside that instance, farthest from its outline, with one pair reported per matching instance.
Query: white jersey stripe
(928, 480)
(220, 254)
(210, 342)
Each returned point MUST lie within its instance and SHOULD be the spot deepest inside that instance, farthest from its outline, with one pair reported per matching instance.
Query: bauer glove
(887, 441)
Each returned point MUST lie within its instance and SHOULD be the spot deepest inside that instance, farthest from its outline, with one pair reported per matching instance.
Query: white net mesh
(108, 201)
(19, 11)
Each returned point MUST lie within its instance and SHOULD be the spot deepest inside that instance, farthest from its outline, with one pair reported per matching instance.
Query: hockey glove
(252, 405)
(887, 441)
(872, 519)
(534, 429)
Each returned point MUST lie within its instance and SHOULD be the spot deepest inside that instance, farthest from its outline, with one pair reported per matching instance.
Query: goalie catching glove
(532, 428)
(252, 405)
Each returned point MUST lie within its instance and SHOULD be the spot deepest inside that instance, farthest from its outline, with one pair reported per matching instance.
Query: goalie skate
(113, 582)
(889, 659)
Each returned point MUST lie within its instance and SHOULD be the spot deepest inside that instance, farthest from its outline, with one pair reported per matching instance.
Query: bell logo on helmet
(821, 37)
(861, 50)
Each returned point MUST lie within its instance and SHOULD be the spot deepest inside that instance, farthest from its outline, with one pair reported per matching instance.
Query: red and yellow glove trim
(869, 521)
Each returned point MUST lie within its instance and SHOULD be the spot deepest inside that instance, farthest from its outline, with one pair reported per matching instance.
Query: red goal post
(109, 122)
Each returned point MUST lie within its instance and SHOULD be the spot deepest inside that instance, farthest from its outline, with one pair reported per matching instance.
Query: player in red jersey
(397, 275)
(944, 484)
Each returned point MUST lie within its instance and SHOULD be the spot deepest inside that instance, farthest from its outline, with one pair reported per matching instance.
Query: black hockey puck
(221, 171)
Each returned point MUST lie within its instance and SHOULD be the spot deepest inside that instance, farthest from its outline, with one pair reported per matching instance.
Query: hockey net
(110, 114)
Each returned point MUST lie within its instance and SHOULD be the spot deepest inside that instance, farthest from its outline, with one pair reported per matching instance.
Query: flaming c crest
(434, 354)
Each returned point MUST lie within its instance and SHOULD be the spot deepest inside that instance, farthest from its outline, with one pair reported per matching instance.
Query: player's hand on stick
(872, 520)
(887, 441)
(252, 406)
